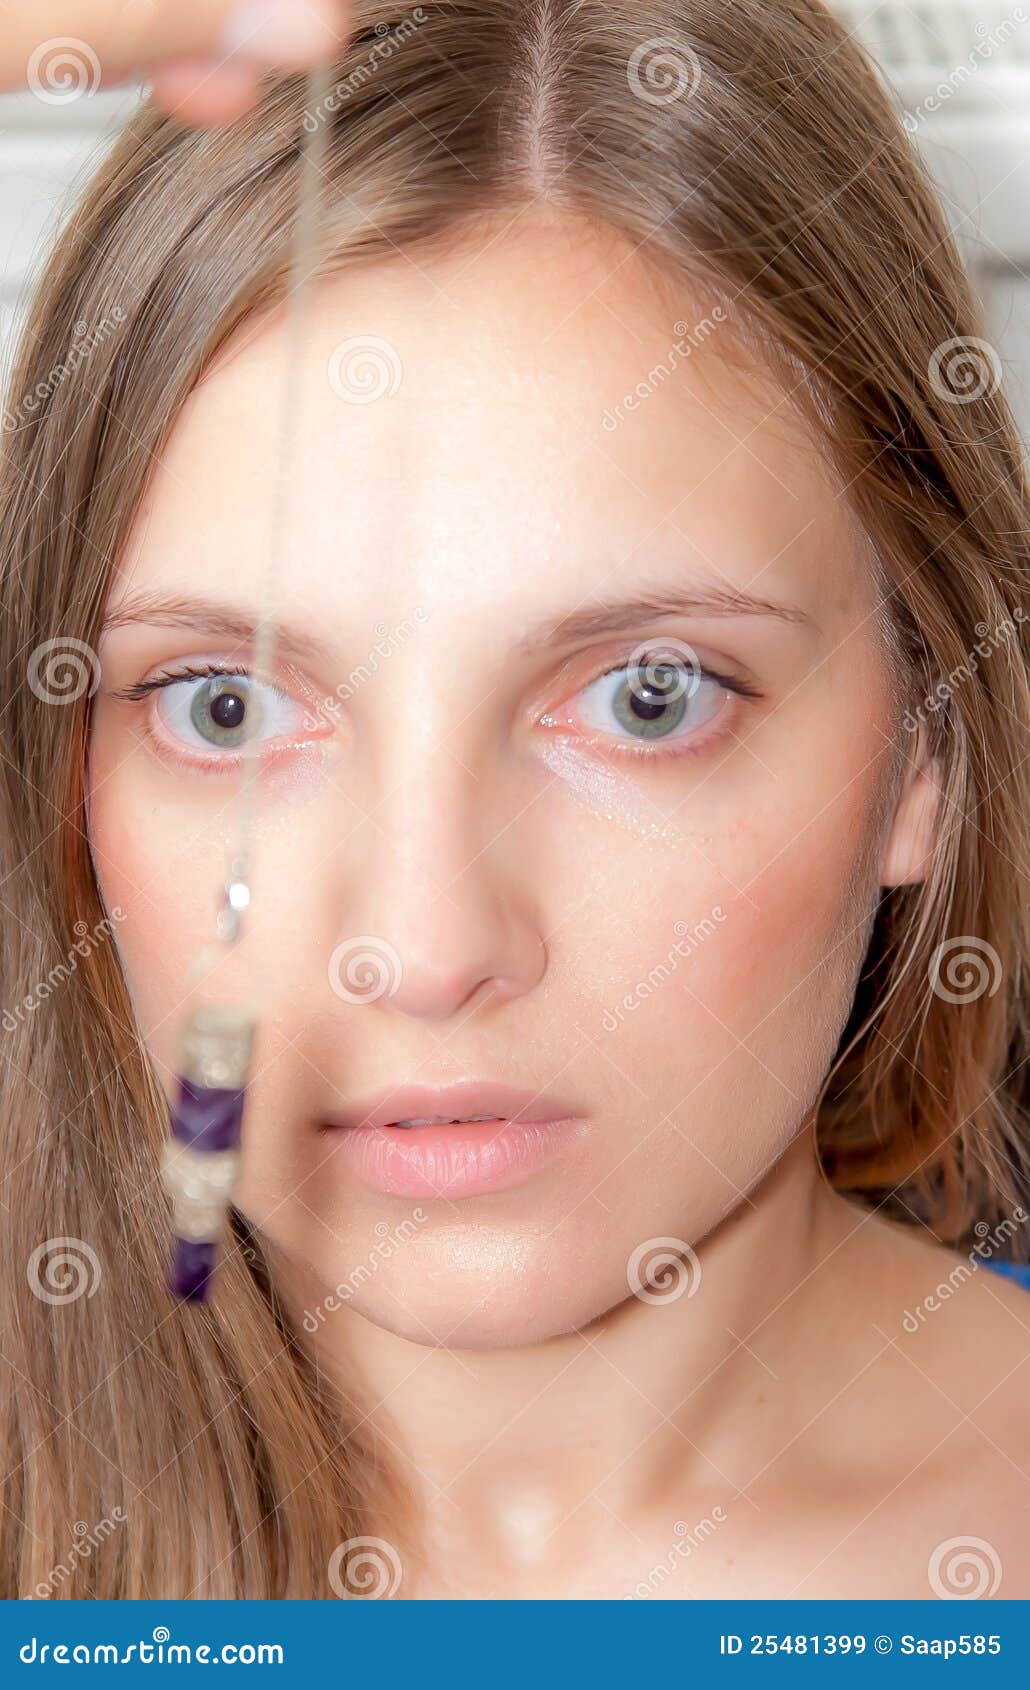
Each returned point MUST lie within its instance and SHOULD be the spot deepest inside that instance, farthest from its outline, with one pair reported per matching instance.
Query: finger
(112, 38)
(203, 92)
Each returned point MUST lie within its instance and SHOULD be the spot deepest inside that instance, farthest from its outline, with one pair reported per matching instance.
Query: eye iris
(219, 710)
(652, 703)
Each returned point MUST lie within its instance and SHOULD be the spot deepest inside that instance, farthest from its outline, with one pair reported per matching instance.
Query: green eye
(657, 701)
(219, 712)
(224, 710)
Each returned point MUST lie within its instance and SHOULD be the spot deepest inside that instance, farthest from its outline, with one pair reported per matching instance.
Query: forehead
(536, 397)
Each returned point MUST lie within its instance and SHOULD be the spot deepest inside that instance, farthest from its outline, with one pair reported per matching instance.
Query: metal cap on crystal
(216, 1048)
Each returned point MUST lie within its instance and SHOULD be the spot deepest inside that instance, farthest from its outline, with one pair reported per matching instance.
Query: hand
(203, 58)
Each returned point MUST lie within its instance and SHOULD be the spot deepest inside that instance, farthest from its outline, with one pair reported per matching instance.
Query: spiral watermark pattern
(649, 668)
(85, 1540)
(663, 70)
(62, 70)
(61, 1270)
(364, 969)
(964, 369)
(963, 968)
(365, 1566)
(364, 369)
(62, 670)
(662, 1270)
(963, 1569)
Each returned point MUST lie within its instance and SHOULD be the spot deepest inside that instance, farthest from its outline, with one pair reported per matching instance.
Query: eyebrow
(199, 614)
(616, 615)
(163, 610)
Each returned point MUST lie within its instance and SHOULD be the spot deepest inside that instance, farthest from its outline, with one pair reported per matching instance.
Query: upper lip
(453, 1101)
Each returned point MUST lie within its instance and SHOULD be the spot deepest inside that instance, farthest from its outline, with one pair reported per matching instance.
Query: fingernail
(277, 32)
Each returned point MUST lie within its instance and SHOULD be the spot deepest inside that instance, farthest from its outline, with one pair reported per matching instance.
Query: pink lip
(526, 1131)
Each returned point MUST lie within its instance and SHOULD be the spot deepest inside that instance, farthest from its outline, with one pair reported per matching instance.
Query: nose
(443, 917)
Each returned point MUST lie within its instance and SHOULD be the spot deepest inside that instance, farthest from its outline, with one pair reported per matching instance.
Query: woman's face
(641, 897)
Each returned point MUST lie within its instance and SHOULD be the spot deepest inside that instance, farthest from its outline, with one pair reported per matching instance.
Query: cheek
(716, 979)
(164, 870)
(161, 845)
(160, 931)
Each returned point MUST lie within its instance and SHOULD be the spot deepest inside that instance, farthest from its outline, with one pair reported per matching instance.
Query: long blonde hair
(747, 147)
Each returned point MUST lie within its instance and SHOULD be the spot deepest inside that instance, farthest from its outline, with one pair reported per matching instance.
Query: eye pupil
(649, 698)
(228, 710)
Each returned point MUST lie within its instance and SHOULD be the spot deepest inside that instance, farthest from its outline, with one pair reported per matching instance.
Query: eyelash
(731, 682)
(141, 690)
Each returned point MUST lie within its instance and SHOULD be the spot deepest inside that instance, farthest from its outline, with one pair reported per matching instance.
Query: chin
(515, 1323)
(458, 1285)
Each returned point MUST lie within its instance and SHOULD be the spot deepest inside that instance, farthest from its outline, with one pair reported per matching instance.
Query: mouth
(442, 1121)
(465, 1139)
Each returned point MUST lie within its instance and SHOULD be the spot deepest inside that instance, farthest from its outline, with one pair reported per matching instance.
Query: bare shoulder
(956, 1316)
(959, 1358)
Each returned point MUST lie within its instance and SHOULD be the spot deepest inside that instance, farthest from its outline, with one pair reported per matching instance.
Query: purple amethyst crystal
(208, 1117)
(193, 1263)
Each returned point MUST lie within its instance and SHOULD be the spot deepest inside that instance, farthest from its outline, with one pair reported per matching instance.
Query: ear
(908, 848)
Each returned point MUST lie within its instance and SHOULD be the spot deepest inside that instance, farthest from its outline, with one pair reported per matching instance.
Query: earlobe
(908, 850)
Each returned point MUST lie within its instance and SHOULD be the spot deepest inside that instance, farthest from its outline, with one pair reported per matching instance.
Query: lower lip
(464, 1159)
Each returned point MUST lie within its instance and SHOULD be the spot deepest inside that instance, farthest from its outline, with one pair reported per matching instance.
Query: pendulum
(201, 1156)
